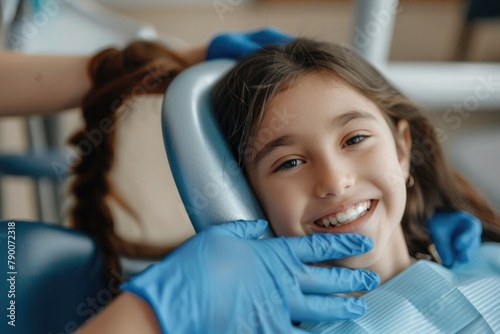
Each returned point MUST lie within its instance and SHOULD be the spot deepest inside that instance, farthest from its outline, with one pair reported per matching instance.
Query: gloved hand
(223, 280)
(456, 235)
(236, 45)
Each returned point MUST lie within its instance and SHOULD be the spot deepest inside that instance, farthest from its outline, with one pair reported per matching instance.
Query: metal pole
(373, 28)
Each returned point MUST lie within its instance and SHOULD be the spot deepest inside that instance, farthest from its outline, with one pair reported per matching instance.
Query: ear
(403, 142)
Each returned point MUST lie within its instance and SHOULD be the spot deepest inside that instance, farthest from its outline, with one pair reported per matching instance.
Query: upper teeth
(347, 216)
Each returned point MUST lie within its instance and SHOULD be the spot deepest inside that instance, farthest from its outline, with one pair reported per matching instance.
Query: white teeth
(351, 213)
(341, 217)
(347, 216)
(333, 221)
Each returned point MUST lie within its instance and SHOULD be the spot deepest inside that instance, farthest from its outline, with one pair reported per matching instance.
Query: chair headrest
(213, 188)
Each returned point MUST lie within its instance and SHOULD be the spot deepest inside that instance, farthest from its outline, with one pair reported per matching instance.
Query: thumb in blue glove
(456, 235)
(224, 280)
(236, 45)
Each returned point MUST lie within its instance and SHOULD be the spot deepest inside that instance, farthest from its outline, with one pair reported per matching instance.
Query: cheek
(384, 171)
(393, 186)
(397, 203)
(282, 210)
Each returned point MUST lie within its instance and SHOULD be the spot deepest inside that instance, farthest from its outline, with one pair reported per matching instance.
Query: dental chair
(55, 279)
(213, 188)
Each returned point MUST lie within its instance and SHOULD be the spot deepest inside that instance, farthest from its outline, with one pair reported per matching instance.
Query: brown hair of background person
(117, 76)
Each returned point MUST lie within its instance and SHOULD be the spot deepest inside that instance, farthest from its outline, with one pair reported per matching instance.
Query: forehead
(313, 93)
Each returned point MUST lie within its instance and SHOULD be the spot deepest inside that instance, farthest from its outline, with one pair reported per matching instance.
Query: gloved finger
(326, 308)
(468, 237)
(296, 330)
(321, 280)
(327, 246)
(242, 44)
(270, 35)
(246, 229)
(230, 45)
(470, 233)
(465, 255)
(446, 252)
(443, 242)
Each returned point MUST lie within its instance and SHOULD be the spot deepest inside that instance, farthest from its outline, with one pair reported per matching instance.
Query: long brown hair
(242, 96)
(140, 68)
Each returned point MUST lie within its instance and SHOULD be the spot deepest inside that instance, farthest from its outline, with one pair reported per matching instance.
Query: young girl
(122, 191)
(329, 146)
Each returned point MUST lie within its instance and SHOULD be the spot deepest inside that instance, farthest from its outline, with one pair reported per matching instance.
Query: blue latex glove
(236, 45)
(223, 280)
(456, 235)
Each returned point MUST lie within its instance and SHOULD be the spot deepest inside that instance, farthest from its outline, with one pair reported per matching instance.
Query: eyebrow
(273, 144)
(342, 120)
(286, 140)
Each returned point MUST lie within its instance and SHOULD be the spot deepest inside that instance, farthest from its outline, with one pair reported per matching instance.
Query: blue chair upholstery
(213, 188)
(46, 164)
(57, 280)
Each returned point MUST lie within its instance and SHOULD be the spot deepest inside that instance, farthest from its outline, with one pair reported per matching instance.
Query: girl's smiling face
(334, 167)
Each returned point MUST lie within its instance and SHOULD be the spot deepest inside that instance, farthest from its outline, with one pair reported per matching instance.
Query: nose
(333, 178)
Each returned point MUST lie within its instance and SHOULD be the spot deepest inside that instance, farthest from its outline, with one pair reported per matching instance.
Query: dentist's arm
(46, 84)
(126, 314)
(225, 280)
(41, 84)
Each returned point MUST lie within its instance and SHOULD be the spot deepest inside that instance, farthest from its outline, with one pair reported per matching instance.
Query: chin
(362, 261)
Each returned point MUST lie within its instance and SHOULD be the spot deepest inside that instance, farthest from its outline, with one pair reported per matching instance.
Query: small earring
(410, 181)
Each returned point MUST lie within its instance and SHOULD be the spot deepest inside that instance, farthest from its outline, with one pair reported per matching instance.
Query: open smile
(341, 221)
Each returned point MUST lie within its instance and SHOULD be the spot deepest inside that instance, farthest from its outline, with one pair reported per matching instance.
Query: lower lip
(351, 227)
